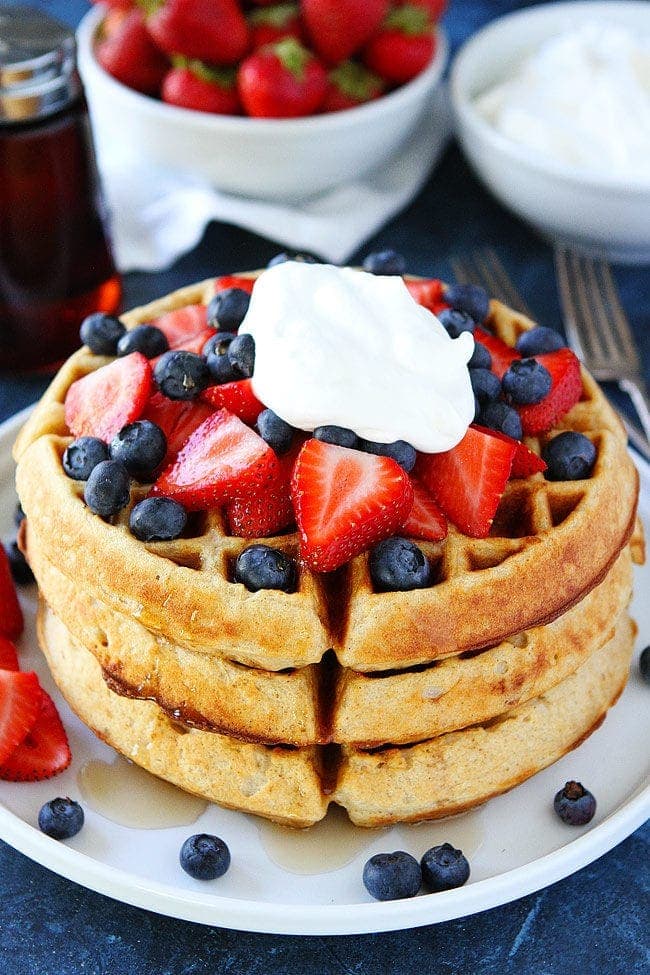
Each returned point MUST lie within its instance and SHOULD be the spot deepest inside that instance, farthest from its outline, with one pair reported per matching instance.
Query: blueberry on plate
(204, 857)
(501, 417)
(570, 457)
(644, 664)
(398, 450)
(387, 261)
(141, 446)
(241, 353)
(82, 456)
(219, 366)
(101, 333)
(61, 818)
(539, 340)
(339, 436)
(574, 804)
(455, 322)
(485, 384)
(263, 567)
(147, 339)
(397, 565)
(107, 489)
(181, 375)
(469, 298)
(300, 258)
(20, 570)
(228, 308)
(526, 381)
(19, 514)
(157, 520)
(277, 433)
(481, 358)
(392, 876)
(443, 868)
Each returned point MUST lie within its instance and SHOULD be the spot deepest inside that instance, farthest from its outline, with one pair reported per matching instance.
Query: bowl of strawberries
(265, 99)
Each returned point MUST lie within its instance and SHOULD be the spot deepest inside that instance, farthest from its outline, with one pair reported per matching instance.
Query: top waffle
(550, 544)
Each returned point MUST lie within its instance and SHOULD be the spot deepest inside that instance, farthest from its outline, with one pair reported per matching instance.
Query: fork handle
(639, 396)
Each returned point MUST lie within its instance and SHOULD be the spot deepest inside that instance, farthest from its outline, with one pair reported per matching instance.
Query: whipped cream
(344, 347)
(583, 98)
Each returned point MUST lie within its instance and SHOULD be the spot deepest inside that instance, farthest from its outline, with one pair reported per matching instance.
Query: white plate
(515, 844)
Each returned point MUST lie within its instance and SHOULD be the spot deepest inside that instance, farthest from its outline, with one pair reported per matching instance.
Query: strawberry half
(525, 462)
(428, 293)
(269, 510)
(234, 281)
(425, 520)
(8, 655)
(183, 325)
(104, 401)
(20, 705)
(469, 480)
(566, 389)
(44, 752)
(11, 615)
(177, 419)
(502, 355)
(345, 501)
(223, 459)
(237, 397)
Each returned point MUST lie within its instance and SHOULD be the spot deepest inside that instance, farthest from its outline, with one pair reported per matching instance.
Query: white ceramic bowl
(266, 158)
(603, 215)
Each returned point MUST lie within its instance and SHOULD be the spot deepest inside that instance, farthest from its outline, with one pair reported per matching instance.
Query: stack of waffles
(398, 706)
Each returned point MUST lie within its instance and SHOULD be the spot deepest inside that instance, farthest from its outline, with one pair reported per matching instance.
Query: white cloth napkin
(158, 215)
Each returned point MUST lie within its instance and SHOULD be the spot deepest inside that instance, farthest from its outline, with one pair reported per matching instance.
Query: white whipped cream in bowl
(347, 348)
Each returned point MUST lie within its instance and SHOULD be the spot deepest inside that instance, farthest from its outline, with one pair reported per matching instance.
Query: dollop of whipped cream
(344, 347)
(583, 98)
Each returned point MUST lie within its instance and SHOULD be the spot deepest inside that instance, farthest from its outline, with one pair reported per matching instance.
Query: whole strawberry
(404, 45)
(130, 56)
(271, 24)
(210, 30)
(339, 28)
(193, 84)
(282, 80)
(350, 84)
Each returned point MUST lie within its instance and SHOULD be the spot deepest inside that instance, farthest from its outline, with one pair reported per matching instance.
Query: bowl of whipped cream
(553, 112)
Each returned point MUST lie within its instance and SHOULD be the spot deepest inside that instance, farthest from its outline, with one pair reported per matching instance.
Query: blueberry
(574, 804)
(147, 339)
(61, 818)
(526, 381)
(399, 450)
(456, 322)
(396, 565)
(392, 876)
(340, 436)
(469, 298)
(644, 664)
(539, 340)
(477, 408)
(141, 447)
(228, 308)
(82, 456)
(275, 431)
(101, 333)
(387, 261)
(181, 375)
(157, 520)
(263, 567)
(219, 365)
(570, 457)
(241, 353)
(283, 257)
(218, 343)
(19, 566)
(444, 868)
(107, 489)
(204, 857)
(501, 417)
(19, 515)
(485, 384)
(481, 358)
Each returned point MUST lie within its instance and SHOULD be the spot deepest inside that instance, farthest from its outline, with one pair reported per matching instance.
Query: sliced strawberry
(502, 355)
(525, 461)
(11, 615)
(104, 401)
(427, 292)
(181, 326)
(44, 752)
(223, 459)
(177, 419)
(237, 397)
(234, 281)
(566, 389)
(20, 705)
(269, 510)
(468, 480)
(345, 501)
(425, 519)
(8, 655)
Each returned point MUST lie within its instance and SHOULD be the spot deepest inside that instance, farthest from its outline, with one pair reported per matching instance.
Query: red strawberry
(104, 401)
(283, 80)
(434, 8)
(186, 328)
(234, 281)
(566, 389)
(210, 30)
(425, 519)
(115, 4)
(130, 56)
(11, 615)
(403, 47)
(223, 459)
(468, 480)
(20, 704)
(267, 511)
(338, 28)
(274, 23)
(237, 398)
(345, 501)
(177, 419)
(427, 292)
(525, 461)
(350, 84)
(8, 655)
(44, 752)
(502, 355)
(193, 84)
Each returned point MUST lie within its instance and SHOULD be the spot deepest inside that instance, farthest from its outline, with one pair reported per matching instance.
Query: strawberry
(183, 325)
(425, 519)
(350, 84)
(237, 397)
(234, 281)
(282, 80)
(566, 389)
(177, 419)
(525, 461)
(193, 84)
(339, 28)
(403, 47)
(434, 8)
(44, 752)
(8, 655)
(115, 4)
(20, 704)
(346, 500)
(502, 355)
(267, 511)
(468, 480)
(104, 401)
(223, 459)
(11, 615)
(273, 23)
(130, 56)
(427, 292)
(210, 30)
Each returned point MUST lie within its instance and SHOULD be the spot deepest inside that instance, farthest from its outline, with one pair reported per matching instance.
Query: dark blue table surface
(595, 921)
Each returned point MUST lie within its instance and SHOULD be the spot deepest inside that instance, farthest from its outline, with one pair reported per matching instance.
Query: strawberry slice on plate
(346, 500)
(177, 419)
(502, 355)
(234, 281)
(8, 655)
(237, 397)
(44, 752)
(269, 510)
(223, 459)
(182, 325)
(428, 292)
(525, 461)
(425, 519)
(104, 401)
(566, 389)
(20, 705)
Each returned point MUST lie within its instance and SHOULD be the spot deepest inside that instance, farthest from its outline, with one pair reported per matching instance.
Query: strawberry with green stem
(282, 80)
(127, 52)
(196, 85)
(271, 24)
(339, 28)
(209, 30)
(350, 84)
(403, 47)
